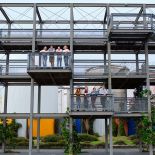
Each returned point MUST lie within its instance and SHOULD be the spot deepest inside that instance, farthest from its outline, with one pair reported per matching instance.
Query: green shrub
(18, 141)
(51, 144)
(121, 131)
(22, 143)
(85, 144)
(114, 128)
(119, 142)
(52, 138)
(96, 134)
(132, 137)
(87, 138)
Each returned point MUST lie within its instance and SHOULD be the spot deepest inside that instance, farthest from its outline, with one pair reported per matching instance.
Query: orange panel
(46, 127)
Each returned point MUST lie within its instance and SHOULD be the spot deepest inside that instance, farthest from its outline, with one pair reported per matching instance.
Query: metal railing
(15, 67)
(52, 33)
(49, 60)
(130, 21)
(92, 102)
(97, 102)
(130, 104)
(97, 68)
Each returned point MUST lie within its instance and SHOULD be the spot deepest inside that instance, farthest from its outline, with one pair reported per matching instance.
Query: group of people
(52, 52)
(101, 92)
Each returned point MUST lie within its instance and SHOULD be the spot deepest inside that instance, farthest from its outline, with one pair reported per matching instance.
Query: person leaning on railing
(103, 98)
(78, 98)
(93, 94)
(59, 56)
(86, 101)
(44, 56)
(66, 52)
(51, 51)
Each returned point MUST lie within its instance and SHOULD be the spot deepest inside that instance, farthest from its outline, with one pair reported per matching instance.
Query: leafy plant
(52, 138)
(8, 132)
(87, 137)
(121, 131)
(145, 131)
(144, 93)
(114, 128)
(72, 142)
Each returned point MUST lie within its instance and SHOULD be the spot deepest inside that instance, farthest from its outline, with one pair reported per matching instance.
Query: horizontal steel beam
(73, 114)
(35, 115)
(75, 5)
(52, 21)
(67, 22)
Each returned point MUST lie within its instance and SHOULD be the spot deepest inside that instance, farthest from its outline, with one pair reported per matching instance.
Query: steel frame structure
(107, 47)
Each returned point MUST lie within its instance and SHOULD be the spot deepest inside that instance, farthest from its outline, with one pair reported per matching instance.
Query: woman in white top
(59, 56)
(66, 52)
(103, 98)
(44, 56)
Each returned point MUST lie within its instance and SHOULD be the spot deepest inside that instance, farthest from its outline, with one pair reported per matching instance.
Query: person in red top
(86, 101)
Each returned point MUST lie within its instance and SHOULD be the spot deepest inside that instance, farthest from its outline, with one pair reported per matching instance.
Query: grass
(120, 140)
(126, 140)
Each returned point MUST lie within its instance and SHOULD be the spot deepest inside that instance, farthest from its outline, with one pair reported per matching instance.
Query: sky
(78, 1)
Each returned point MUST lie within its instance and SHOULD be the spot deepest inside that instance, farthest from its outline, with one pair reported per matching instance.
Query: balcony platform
(130, 34)
(122, 47)
(130, 114)
(118, 82)
(48, 76)
(127, 82)
(17, 78)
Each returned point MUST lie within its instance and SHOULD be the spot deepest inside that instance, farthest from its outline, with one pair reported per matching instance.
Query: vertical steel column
(32, 84)
(9, 30)
(111, 136)
(34, 29)
(7, 63)
(31, 117)
(5, 111)
(110, 91)
(109, 68)
(144, 16)
(105, 61)
(5, 96)
(72, 69)
(38, 121)
(72, 50)
(109, 81)
(148, 87)
(72, 36)
(137, 62)
(106, 134)
(41, 27)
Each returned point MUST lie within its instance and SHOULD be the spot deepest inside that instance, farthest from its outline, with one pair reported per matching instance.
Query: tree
(8, 132)
(72, 142)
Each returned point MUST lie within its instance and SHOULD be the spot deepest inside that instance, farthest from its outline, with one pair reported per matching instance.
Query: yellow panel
(9, 121)
(46, 127)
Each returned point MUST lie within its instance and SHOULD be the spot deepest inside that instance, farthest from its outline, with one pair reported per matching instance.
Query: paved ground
(84, 152)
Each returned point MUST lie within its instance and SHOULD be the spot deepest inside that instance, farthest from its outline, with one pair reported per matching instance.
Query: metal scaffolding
(117, 32)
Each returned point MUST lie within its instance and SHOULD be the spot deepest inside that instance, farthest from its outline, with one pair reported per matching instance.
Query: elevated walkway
(130, 27)
(45, 72)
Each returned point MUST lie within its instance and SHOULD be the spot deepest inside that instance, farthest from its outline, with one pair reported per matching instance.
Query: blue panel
(78, 125)
(131, 127)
